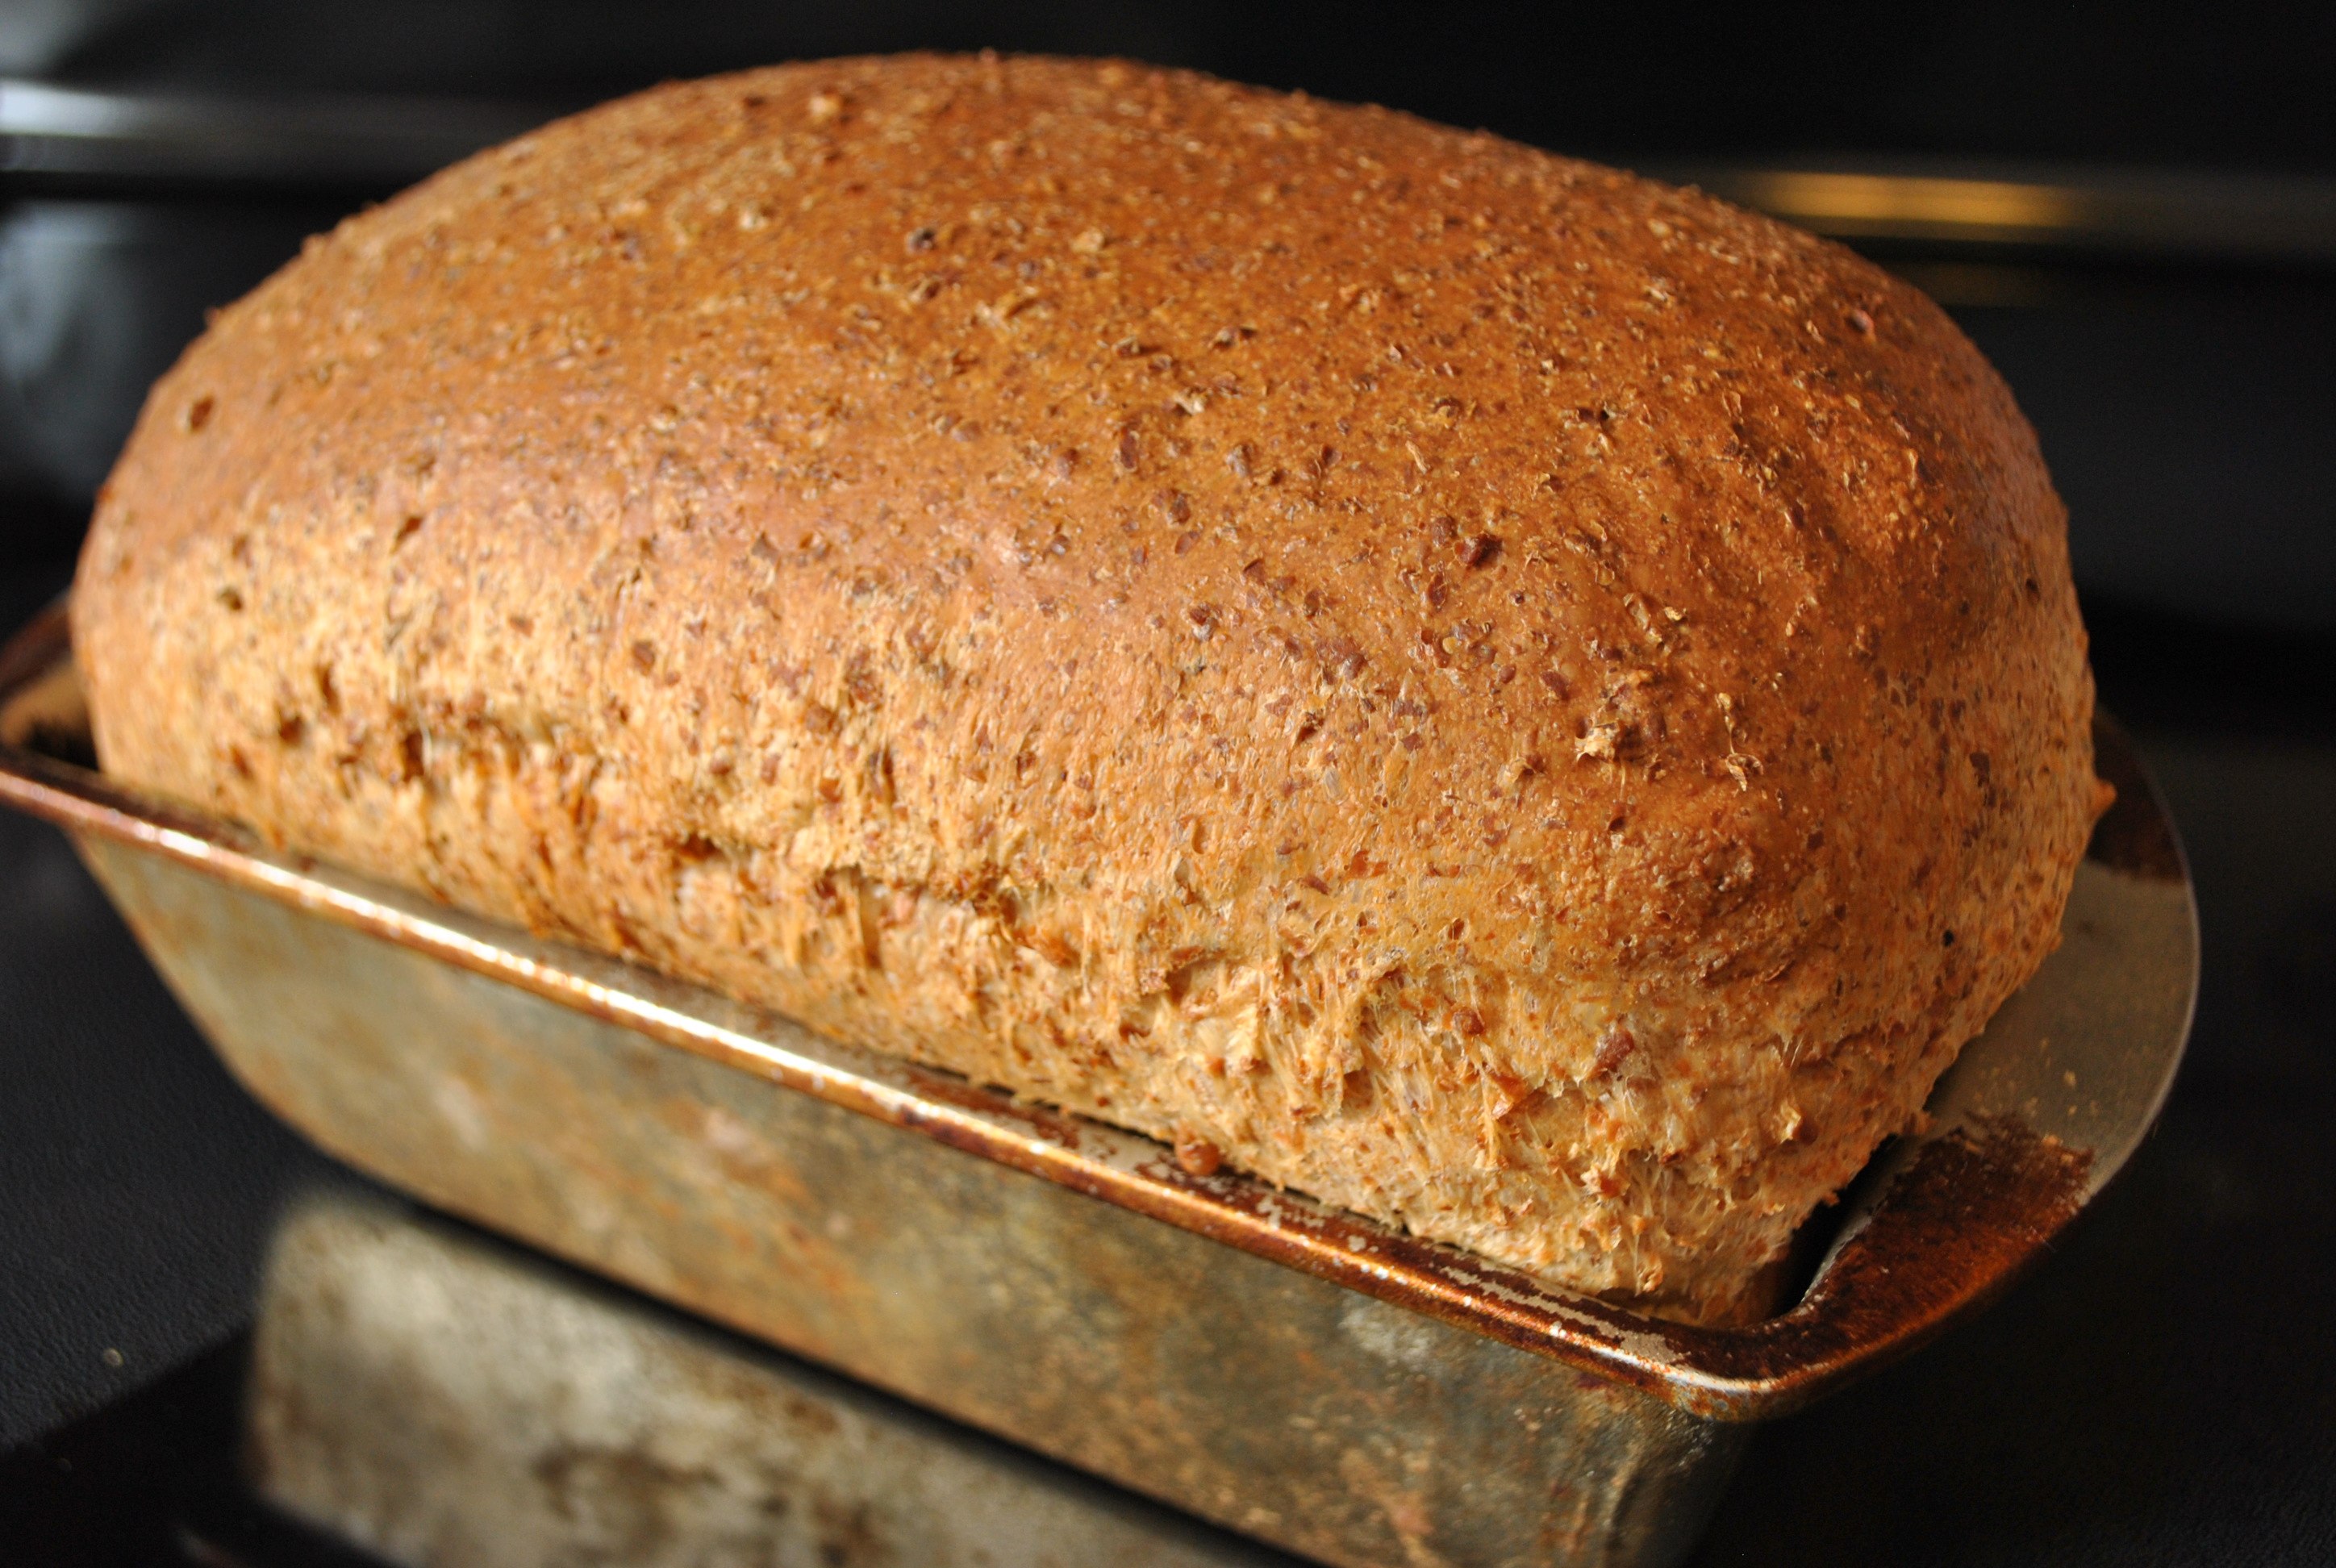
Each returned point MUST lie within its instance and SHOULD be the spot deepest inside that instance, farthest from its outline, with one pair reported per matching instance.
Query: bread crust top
(1270, 568)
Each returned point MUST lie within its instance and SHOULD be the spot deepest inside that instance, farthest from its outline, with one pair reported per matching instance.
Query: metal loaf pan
(1318, 1380)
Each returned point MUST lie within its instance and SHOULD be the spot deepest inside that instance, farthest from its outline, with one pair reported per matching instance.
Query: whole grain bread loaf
(1520, 701)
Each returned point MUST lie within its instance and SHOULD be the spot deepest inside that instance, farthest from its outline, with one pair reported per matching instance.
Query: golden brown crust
(1516, 699)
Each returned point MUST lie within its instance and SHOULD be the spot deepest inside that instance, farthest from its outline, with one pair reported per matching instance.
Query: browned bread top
(1523, 701)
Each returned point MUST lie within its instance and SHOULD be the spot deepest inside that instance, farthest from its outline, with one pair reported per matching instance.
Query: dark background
(2166, 1392)
(2241, 85)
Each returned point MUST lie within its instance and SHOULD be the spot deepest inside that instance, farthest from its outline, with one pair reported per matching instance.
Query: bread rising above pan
(1517, 700)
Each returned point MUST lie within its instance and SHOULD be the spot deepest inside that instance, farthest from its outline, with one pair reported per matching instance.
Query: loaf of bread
(1520, 701)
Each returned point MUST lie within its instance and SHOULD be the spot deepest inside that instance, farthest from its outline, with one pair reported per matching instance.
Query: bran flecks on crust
(1522, 701)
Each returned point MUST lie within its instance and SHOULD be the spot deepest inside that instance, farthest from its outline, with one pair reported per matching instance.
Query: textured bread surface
(1520, 701)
